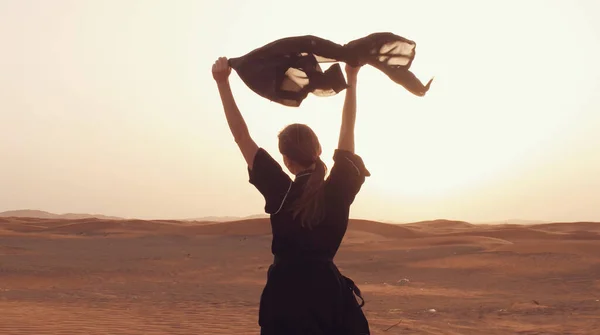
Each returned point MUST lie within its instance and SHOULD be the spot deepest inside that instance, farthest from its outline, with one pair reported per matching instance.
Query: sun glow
(110, 107)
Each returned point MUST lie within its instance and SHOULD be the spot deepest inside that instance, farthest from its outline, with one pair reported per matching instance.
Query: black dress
(305, 293)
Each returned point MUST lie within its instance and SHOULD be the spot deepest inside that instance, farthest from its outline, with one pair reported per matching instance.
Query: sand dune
(249, 227)
(570, 227)
(384, 229)
(511, 234)
(440, 224)
(37, 214)
(97, 276)
(88, 226)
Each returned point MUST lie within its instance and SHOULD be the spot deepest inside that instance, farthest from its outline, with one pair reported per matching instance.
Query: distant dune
(65, 224)
(27, 213)
(514, 221)
(440, 224)
(30, 213)
(384, 229)
(227, 218)
(246, 227)
(569, 226)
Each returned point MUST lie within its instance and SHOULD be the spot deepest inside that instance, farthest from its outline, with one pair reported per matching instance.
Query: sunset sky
(109, 107)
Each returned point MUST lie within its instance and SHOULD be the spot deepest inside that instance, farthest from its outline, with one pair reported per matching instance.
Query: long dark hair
(301, 145)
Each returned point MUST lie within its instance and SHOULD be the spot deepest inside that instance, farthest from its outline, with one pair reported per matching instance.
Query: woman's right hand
(221, 70)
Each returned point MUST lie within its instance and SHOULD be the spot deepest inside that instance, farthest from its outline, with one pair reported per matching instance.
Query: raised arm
(235, 120)
(346, 141)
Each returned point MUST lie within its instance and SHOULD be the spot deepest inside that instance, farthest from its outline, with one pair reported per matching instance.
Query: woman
(305, 293)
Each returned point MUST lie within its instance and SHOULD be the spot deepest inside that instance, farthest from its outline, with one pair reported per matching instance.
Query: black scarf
(286, 70)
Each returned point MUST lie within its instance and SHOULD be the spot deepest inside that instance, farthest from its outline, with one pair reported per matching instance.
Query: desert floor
(167, 277)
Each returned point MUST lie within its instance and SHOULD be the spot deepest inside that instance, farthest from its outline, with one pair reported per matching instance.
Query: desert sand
(98, 276)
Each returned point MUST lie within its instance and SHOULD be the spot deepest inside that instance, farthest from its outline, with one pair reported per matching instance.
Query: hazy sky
(108, 106)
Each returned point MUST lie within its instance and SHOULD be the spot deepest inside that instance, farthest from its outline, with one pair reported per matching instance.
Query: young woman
(305, 293)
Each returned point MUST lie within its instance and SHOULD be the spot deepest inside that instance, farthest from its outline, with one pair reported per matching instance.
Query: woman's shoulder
(348, 159)
(347, 175)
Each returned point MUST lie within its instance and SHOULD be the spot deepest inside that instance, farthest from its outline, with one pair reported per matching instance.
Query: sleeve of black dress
(347, 174)
(270, 180)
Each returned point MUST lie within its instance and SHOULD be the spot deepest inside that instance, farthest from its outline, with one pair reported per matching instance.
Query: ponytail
(310, 207)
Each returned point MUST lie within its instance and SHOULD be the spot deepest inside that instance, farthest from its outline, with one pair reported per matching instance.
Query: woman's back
(322, 239)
